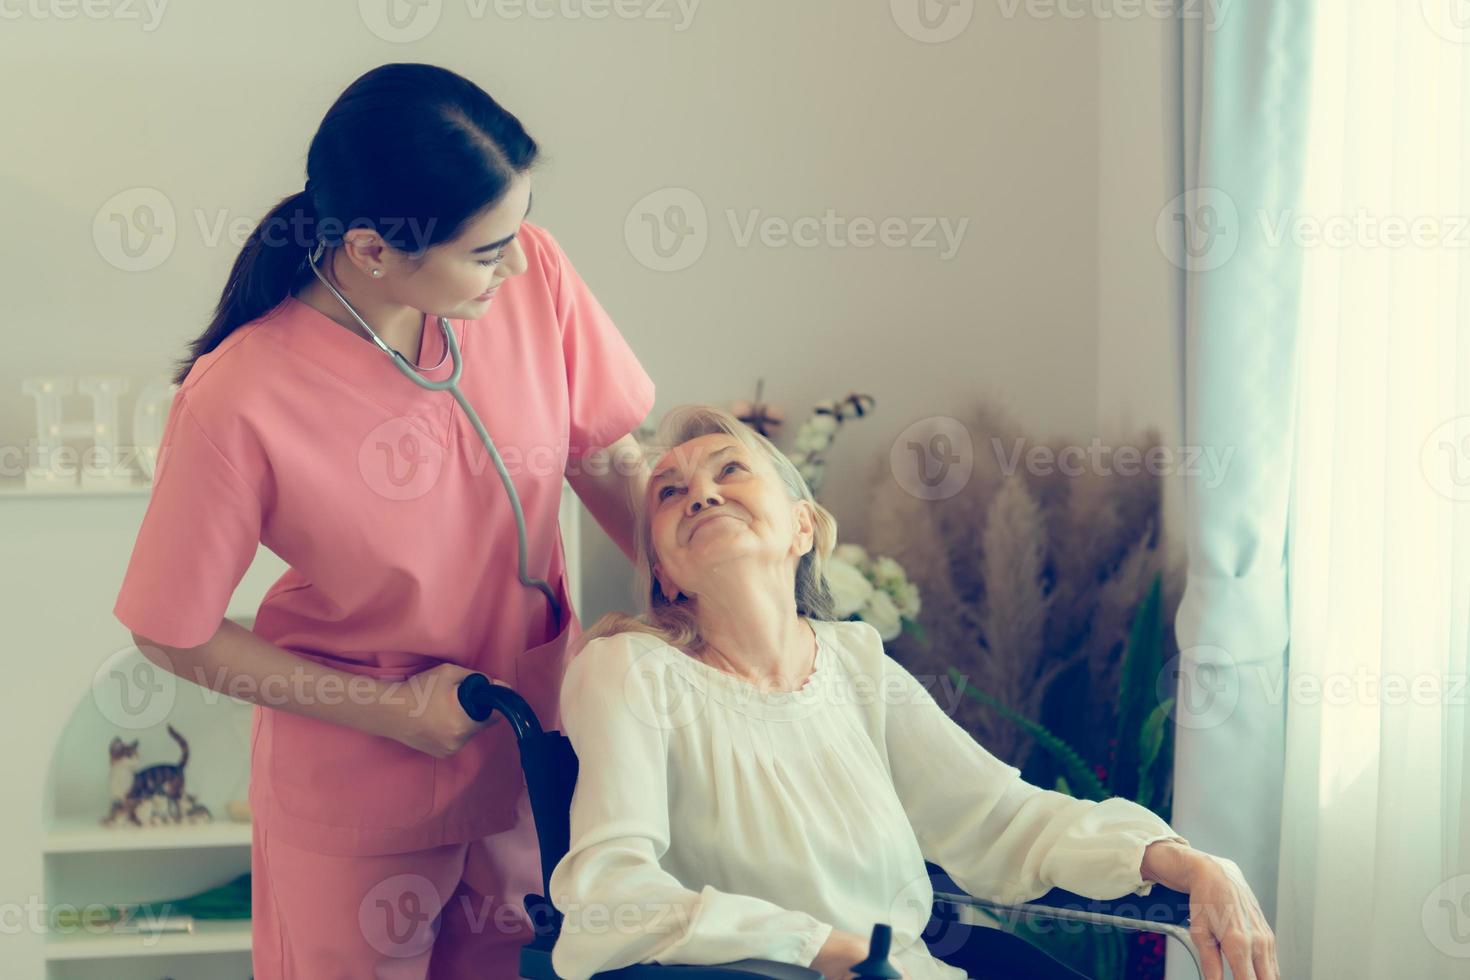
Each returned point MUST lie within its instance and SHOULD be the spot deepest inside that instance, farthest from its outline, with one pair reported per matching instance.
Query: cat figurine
(152, 811)
(132, 788)
(155, 810)
(196, 812)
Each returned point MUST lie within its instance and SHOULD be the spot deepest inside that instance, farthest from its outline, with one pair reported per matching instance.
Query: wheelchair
(550, 767)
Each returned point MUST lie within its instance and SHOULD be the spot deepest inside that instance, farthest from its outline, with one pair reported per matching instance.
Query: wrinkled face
(716, 511)
(456, 279)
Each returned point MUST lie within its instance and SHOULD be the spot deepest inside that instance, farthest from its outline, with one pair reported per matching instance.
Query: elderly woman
(758, 780)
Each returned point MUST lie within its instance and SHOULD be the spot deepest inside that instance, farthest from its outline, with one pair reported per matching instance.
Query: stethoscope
(450, 384)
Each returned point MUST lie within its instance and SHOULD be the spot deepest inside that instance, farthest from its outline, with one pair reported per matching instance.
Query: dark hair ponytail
(412, 151)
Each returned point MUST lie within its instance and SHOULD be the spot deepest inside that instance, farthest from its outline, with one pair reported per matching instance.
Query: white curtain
(1374, 878)
(1244, 122)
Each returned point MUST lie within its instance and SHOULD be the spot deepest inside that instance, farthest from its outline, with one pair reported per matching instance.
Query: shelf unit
(207, 938)
(81, 837)
(14, 487)
(86, 863)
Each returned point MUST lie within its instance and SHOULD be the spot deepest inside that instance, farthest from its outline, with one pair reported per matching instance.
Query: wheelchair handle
(474, 694)
(877, 965)
(474, 697)
(480, 697)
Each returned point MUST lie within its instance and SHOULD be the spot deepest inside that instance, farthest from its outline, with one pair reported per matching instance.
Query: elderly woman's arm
(998, 836)
(620, 906)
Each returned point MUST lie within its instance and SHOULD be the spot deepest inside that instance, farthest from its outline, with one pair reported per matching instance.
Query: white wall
(1140, 353)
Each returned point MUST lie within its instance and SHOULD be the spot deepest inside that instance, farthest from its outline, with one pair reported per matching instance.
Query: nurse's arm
(422, 712)
(611, 485)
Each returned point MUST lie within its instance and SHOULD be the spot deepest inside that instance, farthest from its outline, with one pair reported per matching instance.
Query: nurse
(391, 833)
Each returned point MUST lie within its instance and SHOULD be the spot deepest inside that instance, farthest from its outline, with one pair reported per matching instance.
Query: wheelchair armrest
(1161, 906)
(1162, 910)
(736, 970)
(536, 965)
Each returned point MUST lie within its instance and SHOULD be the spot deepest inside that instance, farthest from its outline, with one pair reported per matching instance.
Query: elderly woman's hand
(1224, 917)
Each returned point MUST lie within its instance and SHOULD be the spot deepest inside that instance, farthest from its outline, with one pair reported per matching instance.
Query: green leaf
(1062, 786)
(1078, 772)
(1142, 661)
(1163, 780)
(1150, 747)
(1151, 739)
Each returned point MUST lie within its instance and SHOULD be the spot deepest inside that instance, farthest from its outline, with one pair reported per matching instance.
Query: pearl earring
(377, 272)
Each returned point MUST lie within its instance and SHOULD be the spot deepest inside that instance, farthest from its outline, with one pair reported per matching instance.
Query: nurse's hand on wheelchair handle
(427, 713)
(841, 952)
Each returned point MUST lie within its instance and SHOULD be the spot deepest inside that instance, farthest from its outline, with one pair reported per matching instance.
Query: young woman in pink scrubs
(391, 833)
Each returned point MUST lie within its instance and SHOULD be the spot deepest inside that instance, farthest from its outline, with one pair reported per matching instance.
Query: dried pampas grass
(1029, 577)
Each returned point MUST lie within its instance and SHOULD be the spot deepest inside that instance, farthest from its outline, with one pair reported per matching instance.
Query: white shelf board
(79, 837)
(216, 936)
(12, 488)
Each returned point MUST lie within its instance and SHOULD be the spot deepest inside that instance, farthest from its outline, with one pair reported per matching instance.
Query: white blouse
(713, 821)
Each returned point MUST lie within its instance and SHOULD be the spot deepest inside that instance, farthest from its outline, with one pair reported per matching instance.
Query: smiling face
(452, 278)
(715, 508)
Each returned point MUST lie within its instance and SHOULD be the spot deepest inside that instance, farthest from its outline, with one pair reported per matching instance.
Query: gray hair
(671, 619)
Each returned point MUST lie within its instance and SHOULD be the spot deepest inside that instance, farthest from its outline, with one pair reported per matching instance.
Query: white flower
(825, 424)
(883, 614)
(908, 601)
(811, 440)
(889, 574)
(850, 589)
(853, 554)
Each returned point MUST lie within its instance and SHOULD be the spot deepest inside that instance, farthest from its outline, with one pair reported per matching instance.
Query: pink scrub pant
(452, 912)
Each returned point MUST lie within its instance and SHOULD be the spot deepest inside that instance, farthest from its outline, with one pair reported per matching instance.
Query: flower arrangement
(874, 590)
(815, 437)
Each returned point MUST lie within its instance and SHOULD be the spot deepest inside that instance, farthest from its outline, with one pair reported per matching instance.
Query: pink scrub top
(299, 434)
